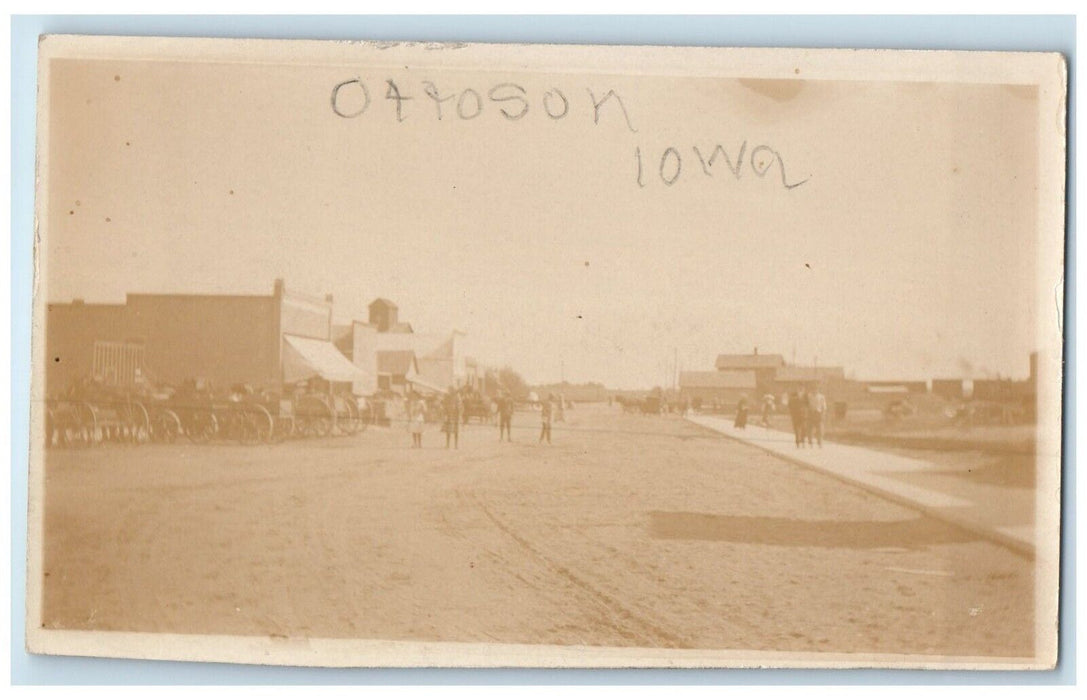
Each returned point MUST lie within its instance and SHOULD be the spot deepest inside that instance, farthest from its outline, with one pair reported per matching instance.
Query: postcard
(400, 354)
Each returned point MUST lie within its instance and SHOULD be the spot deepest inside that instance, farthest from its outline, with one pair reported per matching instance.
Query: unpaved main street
(628, 531)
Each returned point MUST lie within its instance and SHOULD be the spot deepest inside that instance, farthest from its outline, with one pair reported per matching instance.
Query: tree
(513, 382)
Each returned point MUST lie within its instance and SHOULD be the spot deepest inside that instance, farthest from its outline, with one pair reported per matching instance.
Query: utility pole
(675, 370)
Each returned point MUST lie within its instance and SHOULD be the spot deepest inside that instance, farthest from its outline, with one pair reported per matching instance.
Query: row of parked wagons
(85, 418)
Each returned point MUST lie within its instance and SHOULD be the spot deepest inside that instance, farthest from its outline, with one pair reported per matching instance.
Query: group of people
(453, 410)
(808, 411)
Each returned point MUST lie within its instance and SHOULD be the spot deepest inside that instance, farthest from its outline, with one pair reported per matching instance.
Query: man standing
(546, 409)
(817, 411)
(454, 407)
(505, 417)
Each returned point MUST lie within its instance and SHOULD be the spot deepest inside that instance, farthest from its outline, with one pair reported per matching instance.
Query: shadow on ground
(784, 532)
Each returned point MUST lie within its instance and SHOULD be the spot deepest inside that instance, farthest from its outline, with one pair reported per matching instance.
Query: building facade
(764, 366)
(265, 341)
(720, 387)
(438, 360)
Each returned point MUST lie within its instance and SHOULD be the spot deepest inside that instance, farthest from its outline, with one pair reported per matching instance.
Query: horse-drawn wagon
(91, 413)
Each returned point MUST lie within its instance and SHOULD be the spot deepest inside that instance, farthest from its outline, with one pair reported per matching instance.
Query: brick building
(266, 341)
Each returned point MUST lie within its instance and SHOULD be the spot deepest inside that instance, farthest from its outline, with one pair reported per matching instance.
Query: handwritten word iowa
(352, 98)
(760, 161)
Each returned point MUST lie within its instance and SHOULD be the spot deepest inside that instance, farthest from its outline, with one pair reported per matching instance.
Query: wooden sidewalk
(875, 471)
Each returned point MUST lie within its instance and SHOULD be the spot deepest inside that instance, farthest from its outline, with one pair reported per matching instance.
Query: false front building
(396, 358)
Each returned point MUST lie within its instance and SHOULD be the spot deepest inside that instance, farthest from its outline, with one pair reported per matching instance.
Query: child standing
(546, 409)
(417, 421)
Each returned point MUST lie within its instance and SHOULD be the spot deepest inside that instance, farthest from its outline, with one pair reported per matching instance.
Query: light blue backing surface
(923, 32)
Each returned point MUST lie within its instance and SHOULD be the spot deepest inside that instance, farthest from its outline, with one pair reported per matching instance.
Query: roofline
(383, 300)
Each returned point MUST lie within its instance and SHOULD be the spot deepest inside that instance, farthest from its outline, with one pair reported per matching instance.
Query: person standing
(767, 409)
(817, 411)
(798, 410)
(417, 420)
(546, 409)
(505, 417)
(454, 408)
(741, 414)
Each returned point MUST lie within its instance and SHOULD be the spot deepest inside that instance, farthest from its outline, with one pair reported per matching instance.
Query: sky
(908, 251)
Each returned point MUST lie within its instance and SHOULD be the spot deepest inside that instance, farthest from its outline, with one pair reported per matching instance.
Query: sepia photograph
(391, 354)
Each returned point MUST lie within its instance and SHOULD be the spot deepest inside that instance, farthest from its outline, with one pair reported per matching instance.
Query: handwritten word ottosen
(353, 98)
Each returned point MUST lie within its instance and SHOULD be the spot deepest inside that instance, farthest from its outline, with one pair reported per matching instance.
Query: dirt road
(628, 531)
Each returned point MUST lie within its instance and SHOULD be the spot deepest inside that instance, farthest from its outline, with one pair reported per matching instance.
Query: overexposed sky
(908, 252)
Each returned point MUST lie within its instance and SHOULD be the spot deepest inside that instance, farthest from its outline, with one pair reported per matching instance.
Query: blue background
(1004, 33)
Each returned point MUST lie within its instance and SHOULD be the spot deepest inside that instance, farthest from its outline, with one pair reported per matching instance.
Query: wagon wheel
(202, 425)
(80, 426)
(112, 421)
(366, 414)
(139, 423)
(91, 418)
(340, 417)
(104, 420)
(321, 425)
(255, 425)
(348, 420)
(285, 427)
(318, 418)
(166, 426)
(265, 424)
(243, 425)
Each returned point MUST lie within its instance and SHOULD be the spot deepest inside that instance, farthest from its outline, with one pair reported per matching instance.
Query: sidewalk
(893, 477)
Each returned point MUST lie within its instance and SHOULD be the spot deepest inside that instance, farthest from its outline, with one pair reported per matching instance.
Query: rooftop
(752, 361)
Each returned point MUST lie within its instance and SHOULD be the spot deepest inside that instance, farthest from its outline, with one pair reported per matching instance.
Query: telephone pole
(675, 369)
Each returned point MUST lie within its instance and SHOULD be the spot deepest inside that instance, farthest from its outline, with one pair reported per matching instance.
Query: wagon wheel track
(632, 625)
(651, 573)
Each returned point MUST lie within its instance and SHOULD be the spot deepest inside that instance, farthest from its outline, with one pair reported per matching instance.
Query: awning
(304, 358)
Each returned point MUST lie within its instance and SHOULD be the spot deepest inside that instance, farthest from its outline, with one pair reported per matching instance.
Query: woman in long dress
(741, 413)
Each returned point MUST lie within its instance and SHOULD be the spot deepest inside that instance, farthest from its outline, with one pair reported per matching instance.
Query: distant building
(764, 366)
(722, 386)
(792, 378)
(773, 376)
(890, 386)
(384, 315)
(265, 341)
(438, 360)
(1003, 390)
(950, 389)
(396, 370)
